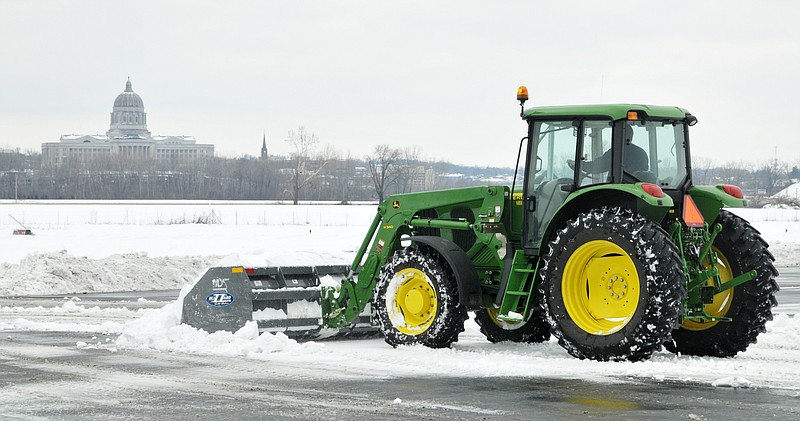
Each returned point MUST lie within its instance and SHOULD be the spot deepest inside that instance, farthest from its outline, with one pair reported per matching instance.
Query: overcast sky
(439, 75)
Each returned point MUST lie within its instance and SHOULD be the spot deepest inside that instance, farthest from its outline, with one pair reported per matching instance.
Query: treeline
(298, 177)
(760, 182)
(309, 174)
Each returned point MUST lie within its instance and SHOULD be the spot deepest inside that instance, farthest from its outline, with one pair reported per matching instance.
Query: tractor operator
(634, 158)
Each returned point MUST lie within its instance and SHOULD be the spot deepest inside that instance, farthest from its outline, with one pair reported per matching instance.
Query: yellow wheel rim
(413, 306)
(600, 287)
(722, 301)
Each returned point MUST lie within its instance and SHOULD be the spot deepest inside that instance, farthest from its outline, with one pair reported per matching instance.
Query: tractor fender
(630, 196)
(469, 287)
(711, 199)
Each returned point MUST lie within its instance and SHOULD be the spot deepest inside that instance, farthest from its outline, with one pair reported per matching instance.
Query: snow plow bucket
(279, 299)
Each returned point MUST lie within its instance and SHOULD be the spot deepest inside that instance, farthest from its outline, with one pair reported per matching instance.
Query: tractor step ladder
(516, 285)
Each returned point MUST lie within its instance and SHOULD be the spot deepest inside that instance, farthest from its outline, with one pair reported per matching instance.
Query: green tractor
(606, 244)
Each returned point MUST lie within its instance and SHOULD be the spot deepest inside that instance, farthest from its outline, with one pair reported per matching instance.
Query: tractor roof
(615, 111)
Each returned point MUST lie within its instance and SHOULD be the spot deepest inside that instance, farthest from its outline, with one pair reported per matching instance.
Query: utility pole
(16, 186)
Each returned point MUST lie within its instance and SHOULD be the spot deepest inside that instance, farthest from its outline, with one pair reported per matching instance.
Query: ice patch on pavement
(69, 307)
(20, 324)
(734, 382)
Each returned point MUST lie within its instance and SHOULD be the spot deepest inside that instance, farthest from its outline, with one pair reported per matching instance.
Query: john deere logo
(396, 204)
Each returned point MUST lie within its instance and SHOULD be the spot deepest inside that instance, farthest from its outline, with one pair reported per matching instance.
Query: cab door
(549, 177)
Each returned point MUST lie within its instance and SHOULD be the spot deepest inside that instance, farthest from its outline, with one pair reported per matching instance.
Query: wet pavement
(44, 375)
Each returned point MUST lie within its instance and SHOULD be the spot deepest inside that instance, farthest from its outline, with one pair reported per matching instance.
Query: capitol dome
(129, 98)
(126, 138)
(128, 119)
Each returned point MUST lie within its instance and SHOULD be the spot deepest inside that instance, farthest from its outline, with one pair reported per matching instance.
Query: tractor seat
(551, 195)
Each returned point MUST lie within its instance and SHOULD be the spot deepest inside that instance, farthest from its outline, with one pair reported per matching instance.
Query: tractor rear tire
(416, 300)
(534, 330)
(740, 248)
(613, 285)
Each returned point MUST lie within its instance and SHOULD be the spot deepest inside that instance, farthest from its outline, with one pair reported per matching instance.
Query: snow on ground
(82, 247)
(113, 246)
(781, 229)
(773, 362)
(791, 192)
(61, 272)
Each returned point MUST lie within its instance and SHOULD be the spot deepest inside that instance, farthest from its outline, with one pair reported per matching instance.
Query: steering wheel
(584, 174)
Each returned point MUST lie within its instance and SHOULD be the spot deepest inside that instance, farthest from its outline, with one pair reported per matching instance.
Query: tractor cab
(586, 150)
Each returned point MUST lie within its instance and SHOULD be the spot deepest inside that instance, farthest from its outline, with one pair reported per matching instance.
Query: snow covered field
(82, 247)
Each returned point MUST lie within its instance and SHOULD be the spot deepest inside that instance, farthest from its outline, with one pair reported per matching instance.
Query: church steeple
(264, 154)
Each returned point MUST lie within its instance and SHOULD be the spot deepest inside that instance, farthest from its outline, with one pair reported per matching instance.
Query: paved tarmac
(43, 375)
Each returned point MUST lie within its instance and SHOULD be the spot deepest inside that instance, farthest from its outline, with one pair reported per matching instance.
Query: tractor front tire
(739, 248)
(534, 330)
(416, 300)
(613, 284)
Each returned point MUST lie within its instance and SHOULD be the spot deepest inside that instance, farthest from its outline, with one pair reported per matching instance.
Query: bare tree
(794, 174)
(305, 167)
(411, 170)
(384, 168)
(772, 176)
(701, 166)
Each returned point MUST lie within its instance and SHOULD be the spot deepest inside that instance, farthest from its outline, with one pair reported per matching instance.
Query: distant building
(264, 152)
(127, 136)
(422, 179)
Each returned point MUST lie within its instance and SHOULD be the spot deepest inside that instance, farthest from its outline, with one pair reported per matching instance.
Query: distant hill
(490, 175)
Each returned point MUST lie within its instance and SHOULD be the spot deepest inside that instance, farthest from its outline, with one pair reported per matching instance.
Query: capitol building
(127, 137)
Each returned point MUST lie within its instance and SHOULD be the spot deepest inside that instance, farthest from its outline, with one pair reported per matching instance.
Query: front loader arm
(339, 308)
(396, 217)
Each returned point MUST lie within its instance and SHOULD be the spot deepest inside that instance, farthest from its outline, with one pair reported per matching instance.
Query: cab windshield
(664, 146)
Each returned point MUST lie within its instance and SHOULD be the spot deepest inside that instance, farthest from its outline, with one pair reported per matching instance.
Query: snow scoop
(279, 299)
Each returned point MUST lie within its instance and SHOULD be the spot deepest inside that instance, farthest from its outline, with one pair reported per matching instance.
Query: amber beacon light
(522, 96)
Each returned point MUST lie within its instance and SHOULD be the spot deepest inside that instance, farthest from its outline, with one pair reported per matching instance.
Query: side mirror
(538, 164)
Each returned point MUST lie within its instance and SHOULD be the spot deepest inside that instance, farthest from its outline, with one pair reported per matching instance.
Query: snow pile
(772, 362)
(782, 336)
(160, 330)
(296, 310)
(60, 272)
